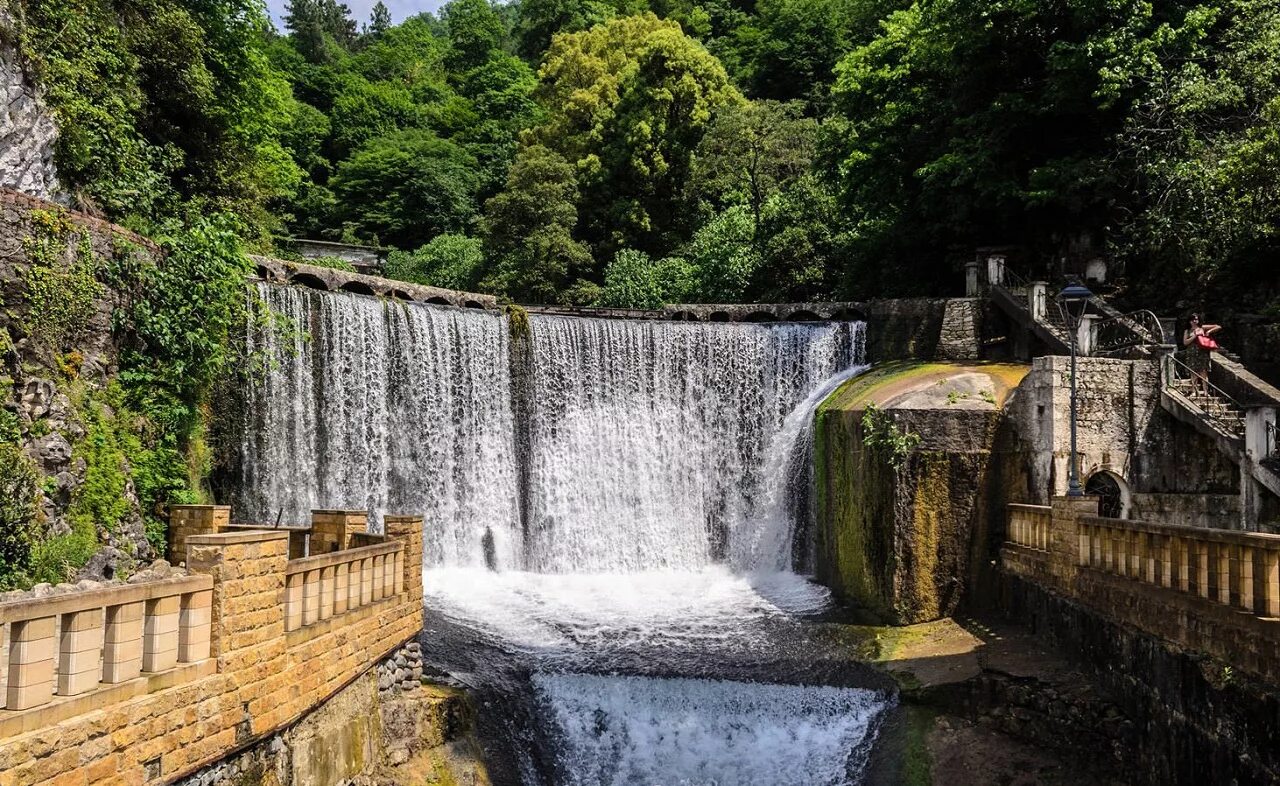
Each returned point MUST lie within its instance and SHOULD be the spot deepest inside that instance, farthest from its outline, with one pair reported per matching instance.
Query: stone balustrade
(329, 585)
(1236, 569)
(63, 649)
(1029, 525)
(1211, 591)
(148, 683)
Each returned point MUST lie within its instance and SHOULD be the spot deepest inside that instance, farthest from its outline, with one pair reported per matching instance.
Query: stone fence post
(248, 570)
(408, 530)
(1087, 334)
(1064, 538)
(186, 521)
(973, 278)
(331, 530)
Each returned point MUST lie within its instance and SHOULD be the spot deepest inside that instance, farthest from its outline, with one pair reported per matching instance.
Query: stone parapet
(186, 521)
(1213, 591)
(196, 668)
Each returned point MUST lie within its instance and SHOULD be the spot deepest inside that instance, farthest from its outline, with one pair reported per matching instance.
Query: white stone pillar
(995, 270)
(1087, 334)
(972, 279)
(1038, 300)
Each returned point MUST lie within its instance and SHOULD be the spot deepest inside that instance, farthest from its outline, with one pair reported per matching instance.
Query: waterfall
(383, 406)
(650, 440)
(606, 504)
(649, 445)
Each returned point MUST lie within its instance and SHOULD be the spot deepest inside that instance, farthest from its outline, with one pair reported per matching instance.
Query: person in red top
(1197, 340)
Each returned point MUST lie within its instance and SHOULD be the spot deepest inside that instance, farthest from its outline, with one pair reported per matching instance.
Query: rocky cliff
(28, 131)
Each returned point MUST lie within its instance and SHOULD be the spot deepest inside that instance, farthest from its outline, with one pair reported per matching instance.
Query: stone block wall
(1121, 430)
(331, 530)
(256, 680)
(186, 521)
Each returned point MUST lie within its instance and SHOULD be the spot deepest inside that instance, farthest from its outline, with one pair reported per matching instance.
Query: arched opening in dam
(617, 525)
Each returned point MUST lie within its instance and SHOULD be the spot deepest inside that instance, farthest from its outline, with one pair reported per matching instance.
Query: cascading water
(388, 407)
(599, 495)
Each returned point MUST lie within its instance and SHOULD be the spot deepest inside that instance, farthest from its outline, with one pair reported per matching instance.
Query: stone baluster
(1224, 574)
(341, 593)
(293, 602)
(366, 581)
(122, 646)
(310, 597)
(194, 621)
(326, 592)
(1202, 568)
(80, 653)
(1270, 583)
(32, 648)
(1245, 584)
(160, 634)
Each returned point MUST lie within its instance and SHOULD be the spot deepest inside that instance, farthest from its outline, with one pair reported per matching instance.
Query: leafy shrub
(19, 508)
(451, 261)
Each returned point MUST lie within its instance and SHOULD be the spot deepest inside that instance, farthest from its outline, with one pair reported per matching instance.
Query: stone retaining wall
(257, 679)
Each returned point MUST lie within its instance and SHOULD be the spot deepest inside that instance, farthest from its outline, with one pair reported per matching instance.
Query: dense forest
(631, 152)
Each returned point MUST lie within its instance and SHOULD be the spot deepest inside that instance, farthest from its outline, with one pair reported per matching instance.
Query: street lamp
(1072, 301)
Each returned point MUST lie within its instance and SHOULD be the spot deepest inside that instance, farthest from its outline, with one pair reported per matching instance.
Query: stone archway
(1112, 492)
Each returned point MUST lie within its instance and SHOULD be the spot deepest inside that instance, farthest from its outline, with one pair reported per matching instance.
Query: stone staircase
(1215, 406)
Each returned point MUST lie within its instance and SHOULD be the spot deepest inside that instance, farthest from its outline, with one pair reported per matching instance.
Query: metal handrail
(1173, 367)
(1138, 328)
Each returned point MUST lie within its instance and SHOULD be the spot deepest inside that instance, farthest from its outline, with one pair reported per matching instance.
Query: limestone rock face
(27, 129)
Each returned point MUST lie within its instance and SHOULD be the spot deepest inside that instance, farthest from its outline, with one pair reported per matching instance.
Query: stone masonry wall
(1122, 430)
(262, 679)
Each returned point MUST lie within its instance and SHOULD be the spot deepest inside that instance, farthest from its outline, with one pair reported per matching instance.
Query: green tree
(529, 229)
(379, 19)
(318, 26)
(633, 280)
(1202, 94)
(965, 121)
(539, 20)
(753, 150)
(626, 103)
(475, 32)
(450, 261)
(406, 188)
(724, 257)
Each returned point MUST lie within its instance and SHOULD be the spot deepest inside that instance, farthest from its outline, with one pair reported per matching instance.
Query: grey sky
(360, 9)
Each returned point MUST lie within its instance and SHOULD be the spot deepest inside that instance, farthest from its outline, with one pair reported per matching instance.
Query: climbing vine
(879, 432)
(61, 279)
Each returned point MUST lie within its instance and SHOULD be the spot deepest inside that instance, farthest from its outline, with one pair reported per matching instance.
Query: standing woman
(1197, 339)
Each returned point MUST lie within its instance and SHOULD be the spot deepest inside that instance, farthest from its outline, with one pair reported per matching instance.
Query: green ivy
(62, 284)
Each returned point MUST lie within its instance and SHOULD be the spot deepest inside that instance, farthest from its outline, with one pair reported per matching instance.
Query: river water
(617, 525)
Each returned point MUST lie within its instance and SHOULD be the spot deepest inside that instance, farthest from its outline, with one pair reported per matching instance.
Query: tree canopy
(617, 149)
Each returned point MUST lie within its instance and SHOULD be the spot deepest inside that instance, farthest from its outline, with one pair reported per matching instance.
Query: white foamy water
(651, 442)
(640, 731)
(591, 612)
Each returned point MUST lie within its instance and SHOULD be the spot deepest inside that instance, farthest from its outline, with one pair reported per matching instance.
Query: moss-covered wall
(904, 538)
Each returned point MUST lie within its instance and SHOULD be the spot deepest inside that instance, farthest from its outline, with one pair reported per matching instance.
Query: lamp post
(1072, 301)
